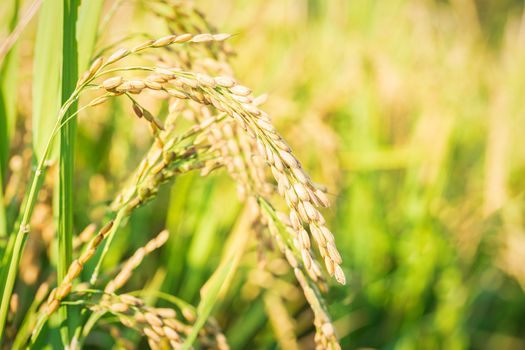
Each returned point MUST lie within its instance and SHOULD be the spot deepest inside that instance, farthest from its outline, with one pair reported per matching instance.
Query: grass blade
(67, 139)
(8, 95)
(46, 79)
(70, 69)
(87, 25)
(209, 298)
(220, 281)
(79, 41)
(8, 79)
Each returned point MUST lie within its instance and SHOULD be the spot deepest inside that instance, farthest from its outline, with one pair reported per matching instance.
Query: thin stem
(13, 253)
(24, 330)
(120, 41)
(22, 24)
(3, 219)
(118, 219)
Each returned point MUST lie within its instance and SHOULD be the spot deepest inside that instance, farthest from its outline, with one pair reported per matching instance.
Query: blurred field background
(411, 112)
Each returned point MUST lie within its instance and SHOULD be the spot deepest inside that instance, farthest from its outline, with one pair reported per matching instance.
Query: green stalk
(67, 138)
(17, 248)
(67, 152)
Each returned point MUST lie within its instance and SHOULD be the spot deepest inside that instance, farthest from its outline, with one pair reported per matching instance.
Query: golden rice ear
(227, 130)
(165, 41)
(307, 272)
(183, 38)
(117, 55)
(136, 259)
(98, 101)
(112, 83)
(221, 37)
(160, 326)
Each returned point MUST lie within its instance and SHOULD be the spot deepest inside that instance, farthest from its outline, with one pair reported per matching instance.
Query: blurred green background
(412, 113)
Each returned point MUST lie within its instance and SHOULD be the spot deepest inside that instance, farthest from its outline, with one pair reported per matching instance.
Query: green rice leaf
(220, 281)
(87, 25)
(47, 76)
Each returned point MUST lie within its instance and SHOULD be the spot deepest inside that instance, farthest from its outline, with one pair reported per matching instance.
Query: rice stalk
(66, 152)
(22, 228)
(227, 130)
